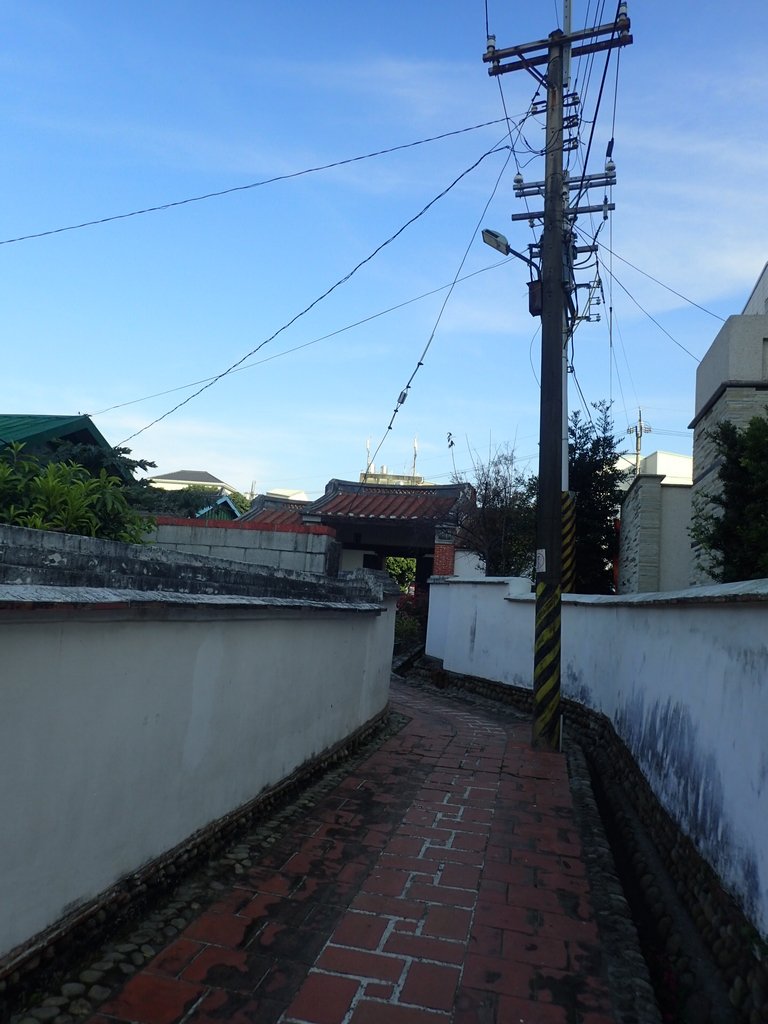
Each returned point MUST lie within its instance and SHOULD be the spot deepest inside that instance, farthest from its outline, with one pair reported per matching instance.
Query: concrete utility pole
(546, 658)
(556, 282)
(638, 431)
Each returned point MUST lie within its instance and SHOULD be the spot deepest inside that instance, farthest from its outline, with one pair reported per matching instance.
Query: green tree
(402, 571)
(94, 458)
(241, 503)
(65, 497)
(501, 529)
(594, 477)
(139, 493)
(186, 502)
(730, 526)
(115, 462)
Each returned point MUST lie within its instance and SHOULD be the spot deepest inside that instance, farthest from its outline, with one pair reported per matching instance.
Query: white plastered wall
(126, 729)
(683, 677)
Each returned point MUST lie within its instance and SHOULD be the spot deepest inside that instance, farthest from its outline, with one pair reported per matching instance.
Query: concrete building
(184, 478)
(655, 552)
(758, 300)
(731, 384)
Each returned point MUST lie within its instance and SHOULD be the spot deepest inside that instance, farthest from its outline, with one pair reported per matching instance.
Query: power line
(629, 370)
(535, 335)
(654, 320)
(404, 393)
(618, 379)
(584, 402)
(324, 295)
(245, 188)
(666, 286)
(306, 344)
(651, 318)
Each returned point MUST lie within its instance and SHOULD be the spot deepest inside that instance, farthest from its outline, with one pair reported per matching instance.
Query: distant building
(190, 478)
(655, 517)
(386, 479)
(288, 493)
(731, 384)
(371, 521)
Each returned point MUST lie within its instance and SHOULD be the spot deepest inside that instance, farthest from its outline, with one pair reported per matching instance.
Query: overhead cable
(306, 344)
(404, 393)
(324, 295)
(244, 188)
(653, 319)
(666, 286)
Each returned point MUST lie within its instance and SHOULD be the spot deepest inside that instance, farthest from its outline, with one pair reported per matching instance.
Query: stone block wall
(640, 536)
(313, 549)
(43, 558)
(655, 543)
(675, 554)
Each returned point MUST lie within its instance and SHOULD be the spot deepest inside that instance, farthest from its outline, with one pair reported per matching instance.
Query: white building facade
(731, 384)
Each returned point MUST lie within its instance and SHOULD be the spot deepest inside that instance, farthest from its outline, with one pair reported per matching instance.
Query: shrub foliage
(65, 497)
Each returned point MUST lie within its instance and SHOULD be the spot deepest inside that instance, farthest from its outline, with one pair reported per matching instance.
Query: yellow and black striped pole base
(569, 542)
(546, 668)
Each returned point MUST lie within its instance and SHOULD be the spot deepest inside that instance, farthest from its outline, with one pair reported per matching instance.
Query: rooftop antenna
(415, 453)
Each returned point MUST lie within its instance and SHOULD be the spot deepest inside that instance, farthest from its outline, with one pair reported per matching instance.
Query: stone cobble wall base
(729, 939)
(32, 965)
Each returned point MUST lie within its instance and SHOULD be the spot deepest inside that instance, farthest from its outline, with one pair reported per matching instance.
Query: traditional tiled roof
(271, 511)
(344, 499)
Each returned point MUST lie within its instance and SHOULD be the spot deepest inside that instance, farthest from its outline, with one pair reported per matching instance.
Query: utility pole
(546, 658)
(556, 272)
(638, 431)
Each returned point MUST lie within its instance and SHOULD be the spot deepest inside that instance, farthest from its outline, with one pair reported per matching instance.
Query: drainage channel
(688, 986)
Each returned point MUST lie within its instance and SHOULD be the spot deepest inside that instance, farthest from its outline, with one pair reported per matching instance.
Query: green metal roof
(39, 429)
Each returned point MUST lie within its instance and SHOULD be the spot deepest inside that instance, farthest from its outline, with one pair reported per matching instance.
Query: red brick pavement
(441, 881)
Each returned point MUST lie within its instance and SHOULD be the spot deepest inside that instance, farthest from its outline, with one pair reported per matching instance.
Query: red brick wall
(444, 560)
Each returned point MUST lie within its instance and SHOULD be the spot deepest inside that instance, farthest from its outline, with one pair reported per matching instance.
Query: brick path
(440, 883)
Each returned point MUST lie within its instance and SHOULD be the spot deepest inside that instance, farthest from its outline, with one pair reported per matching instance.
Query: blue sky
(112, 108)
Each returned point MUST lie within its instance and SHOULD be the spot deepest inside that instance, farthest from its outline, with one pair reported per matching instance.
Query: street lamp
(496, 241)
(499, 242)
